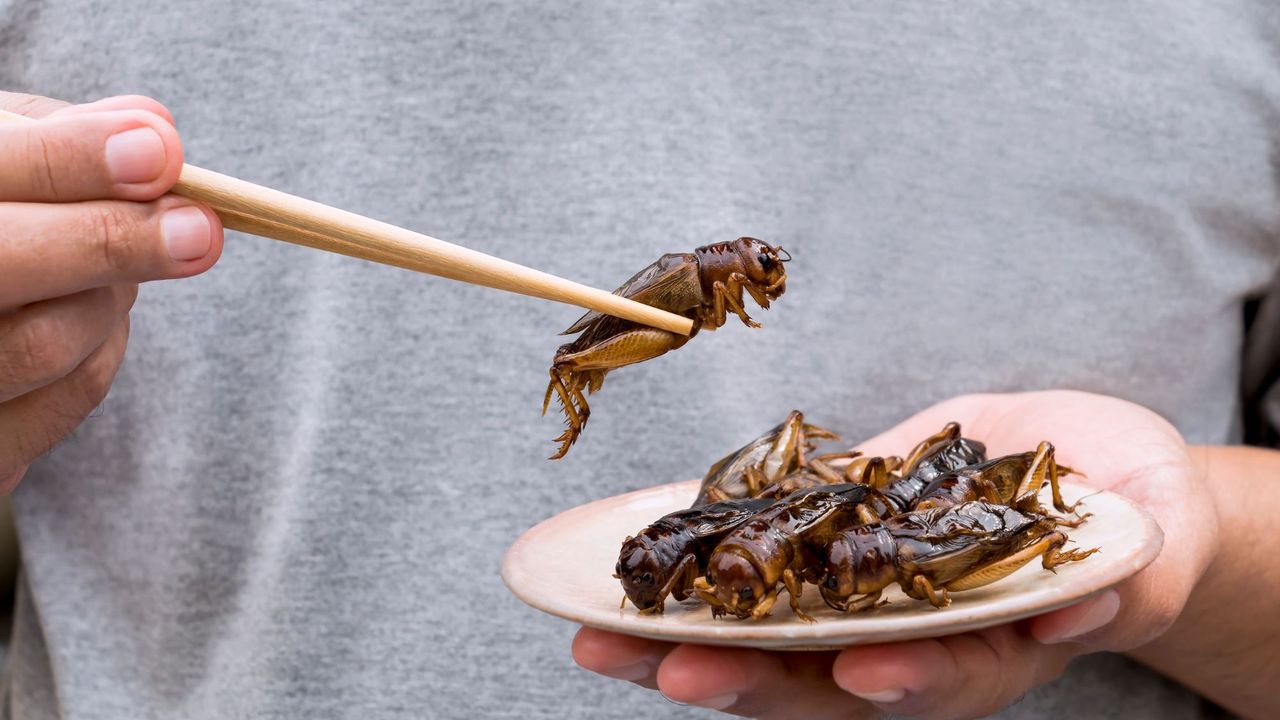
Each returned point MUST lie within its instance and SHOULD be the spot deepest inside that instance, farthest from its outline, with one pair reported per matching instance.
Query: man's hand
(1121, 446)
(83, 219)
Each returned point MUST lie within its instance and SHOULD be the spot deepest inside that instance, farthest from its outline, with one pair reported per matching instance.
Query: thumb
(1077, 623)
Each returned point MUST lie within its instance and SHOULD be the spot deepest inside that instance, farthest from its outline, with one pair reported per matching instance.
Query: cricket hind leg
(585, 369)
(1047, 548)
(1044, 467)
(870, 471)
(568, 386)
(950, 431)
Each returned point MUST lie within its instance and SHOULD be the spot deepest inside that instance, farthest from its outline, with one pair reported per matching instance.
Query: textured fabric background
(295, 501)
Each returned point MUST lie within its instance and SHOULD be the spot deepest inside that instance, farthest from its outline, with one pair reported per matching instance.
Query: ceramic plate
(564, 567)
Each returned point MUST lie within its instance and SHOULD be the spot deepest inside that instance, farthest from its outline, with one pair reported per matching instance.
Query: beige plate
(564, 566)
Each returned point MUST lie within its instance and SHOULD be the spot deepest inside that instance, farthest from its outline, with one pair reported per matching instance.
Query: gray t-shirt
(296, 498)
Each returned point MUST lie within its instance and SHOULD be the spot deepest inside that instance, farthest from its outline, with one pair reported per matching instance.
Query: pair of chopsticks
(270, 213)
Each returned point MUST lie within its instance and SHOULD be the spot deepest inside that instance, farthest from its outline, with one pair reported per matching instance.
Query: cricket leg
(795, 586)
(1054, 556)
(814, 432)
(706, 592)
(575, 417)
(825, 471)
(727, 297)
(866, 602)
(893, 464)
(622, 349)
(922, 588)
(870, 471)
(1043, 467)
(1047, 548)
(756, 481)
(1058, 503)
(681, 580)
(988, 491)
(950, 431)
(763, 607)
(1073, 522)
(761, 294)
(828, 457)
(866, 515)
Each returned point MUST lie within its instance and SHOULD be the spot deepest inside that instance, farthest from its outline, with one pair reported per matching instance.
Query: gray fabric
(296, 498)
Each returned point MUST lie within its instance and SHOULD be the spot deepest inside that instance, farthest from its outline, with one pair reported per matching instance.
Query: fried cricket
(933, 552)
(704, 285)
(664, 559)
(747, 471)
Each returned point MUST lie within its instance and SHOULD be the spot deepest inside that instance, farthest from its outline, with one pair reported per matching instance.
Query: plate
(564, 566)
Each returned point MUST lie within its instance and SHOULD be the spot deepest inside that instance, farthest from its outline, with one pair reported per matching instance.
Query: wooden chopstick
(277, 215)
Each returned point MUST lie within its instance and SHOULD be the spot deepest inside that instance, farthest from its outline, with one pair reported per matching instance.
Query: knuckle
(42, 152)
(93, 381)
(29, 105)
(113, 237)
(38, 351)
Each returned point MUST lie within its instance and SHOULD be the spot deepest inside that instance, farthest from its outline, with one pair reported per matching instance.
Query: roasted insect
(931, 553)
(940, 453)
(665, 558)
(777, 546)
(934, 551)
(704, 285)
(997, 481)
(762, 462)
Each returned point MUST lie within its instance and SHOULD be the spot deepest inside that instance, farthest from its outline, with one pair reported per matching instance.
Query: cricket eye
(765, 261)
(831, 582)
(747, 593)
(646, 578)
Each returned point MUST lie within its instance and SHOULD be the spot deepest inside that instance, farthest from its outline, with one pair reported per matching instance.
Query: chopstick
(277, 215)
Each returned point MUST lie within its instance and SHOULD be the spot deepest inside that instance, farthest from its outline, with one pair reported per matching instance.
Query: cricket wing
(671, 283)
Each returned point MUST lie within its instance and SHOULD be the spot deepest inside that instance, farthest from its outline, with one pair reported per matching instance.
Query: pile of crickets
(771, 515)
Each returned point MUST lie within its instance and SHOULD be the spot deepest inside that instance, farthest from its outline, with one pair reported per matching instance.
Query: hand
(1122, 447)
(83, 219)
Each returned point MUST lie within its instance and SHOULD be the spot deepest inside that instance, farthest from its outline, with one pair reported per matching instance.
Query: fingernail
(882, 697)
(186, 232)
(135, 156)
(1102, 611)
(719, 702)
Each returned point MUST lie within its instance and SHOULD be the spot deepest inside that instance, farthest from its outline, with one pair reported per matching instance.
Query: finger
(32, 424)
(118, 102)
(1078, 622)
(758, 684)
(961, 676)
(7, 484)
(46, 341)
(35, 106)
(122, 154)
(50, 250)
(32, 106)
(623, 657)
